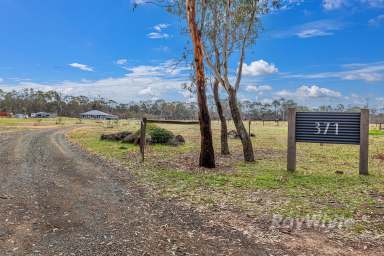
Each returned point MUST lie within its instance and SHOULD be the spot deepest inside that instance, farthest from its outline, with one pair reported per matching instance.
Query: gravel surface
(57, 200)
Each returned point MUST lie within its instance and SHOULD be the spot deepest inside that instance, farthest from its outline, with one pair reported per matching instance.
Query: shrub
(160, 135)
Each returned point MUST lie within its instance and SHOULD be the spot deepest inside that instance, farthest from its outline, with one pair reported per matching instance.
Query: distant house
(96, 114)
(41, 115)
(21, 116)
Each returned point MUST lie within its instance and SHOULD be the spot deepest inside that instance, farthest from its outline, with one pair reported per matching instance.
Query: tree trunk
(240, 128)
(207, 154)
(223, 122)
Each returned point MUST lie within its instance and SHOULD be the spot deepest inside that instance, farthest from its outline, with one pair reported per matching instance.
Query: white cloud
(189, 96)
(259, 89)
(372, 72)
(146, 91)
(333, 4)
(140, 83)
(377, 21)
(312, 29)
(139, 2)
(312, 91)
(121, 61)
(160, 27)
(82, 67)
(339, 4)
(122, 89)
(157, 35)
(313, 33)
(258, 68)
(168, 68)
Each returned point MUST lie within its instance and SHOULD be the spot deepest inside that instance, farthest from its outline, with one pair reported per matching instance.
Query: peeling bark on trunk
(223, 121)
(207, 154)
(240, 128)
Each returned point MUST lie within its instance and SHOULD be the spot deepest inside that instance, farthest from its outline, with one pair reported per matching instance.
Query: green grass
(376, 132)
(264, 187)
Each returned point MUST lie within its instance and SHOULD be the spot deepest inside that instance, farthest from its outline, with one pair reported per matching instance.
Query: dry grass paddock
(263, 188)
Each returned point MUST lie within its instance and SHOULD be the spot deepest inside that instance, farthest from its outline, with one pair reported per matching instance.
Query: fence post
(291, 153)
(364, 141)
(143, 127)
(249, 127)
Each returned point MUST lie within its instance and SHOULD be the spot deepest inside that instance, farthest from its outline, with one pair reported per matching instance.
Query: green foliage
(160, 135)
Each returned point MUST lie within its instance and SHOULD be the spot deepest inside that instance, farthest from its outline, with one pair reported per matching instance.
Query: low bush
(160, 135)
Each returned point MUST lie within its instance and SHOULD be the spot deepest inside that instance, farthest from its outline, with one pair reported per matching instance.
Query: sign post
(249, 127)
(331, 128)
(364, 141)
(143, 127)
(291, 164)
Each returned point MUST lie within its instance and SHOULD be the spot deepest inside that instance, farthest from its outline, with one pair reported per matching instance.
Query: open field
(258, 190)
(12, 124)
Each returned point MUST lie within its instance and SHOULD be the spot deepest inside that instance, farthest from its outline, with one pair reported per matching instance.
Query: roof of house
(96, 113)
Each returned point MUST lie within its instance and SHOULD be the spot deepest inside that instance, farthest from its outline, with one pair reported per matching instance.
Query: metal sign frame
(331, 128)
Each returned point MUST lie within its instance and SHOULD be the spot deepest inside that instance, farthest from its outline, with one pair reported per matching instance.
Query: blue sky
(313, 51)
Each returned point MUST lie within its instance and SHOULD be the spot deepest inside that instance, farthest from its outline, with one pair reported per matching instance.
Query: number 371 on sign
(324, 127)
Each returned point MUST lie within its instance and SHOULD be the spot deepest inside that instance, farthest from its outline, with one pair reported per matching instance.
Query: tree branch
(226, 41)
(242, 52)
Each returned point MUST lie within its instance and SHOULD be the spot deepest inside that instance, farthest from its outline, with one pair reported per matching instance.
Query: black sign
(328, 127)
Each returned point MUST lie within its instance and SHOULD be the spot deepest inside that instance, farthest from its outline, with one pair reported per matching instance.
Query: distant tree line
(27, 101)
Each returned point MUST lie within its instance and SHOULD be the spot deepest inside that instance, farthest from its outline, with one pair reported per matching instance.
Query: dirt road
(57, 200)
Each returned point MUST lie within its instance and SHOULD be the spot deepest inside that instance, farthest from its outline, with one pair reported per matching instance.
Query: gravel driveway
(57, 200)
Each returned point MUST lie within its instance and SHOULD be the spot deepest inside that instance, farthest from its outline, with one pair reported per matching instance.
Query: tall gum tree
(207, 155)
(191, 10)
(232, 26)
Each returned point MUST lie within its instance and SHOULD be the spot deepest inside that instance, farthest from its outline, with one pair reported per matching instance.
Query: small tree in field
(223, 121)
(219, 106)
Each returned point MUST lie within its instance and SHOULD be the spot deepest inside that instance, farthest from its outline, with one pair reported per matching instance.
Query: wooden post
(380, 127)
(249, 127)
(143, 127)
(364, 141)
(291, 154)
